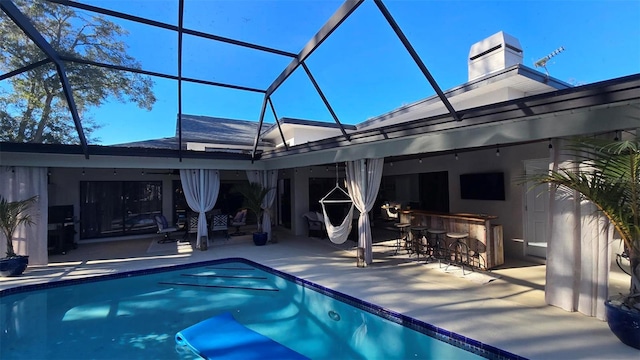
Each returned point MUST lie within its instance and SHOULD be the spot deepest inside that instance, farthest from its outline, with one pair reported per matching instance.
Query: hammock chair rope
(337, 234)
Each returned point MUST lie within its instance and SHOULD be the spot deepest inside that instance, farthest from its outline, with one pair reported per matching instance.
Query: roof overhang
(600, 107)
(518, 78)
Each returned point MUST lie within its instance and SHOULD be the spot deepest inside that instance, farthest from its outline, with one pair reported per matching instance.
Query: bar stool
(418, 233)
(405, 229)
(436, 243)
(460, 248)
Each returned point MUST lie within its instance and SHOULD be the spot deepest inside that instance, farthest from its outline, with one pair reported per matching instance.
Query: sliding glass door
(118, 208)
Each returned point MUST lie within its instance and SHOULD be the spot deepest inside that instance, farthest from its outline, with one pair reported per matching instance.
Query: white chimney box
(497, 52)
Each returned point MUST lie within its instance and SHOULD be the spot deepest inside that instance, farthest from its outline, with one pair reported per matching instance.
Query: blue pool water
(136, 316)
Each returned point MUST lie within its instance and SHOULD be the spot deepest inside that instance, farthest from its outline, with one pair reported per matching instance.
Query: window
(117, 208)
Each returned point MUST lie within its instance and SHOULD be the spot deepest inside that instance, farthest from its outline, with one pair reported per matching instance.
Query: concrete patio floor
(508, 313)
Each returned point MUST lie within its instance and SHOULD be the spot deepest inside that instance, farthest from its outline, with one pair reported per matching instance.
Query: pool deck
(508, 313)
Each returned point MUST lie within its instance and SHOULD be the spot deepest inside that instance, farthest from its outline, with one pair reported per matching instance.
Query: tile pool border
(471, 345)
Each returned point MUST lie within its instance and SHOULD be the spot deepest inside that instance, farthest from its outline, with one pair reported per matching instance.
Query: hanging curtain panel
(578, 250)
(363, 183)
(201, 188)
(268, 179)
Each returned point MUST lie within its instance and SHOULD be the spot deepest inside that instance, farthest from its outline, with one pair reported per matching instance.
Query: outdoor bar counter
(484, 238)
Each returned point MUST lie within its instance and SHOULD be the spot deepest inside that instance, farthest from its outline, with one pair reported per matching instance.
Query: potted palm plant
(254, 194)
(611, 181)
(12, 215)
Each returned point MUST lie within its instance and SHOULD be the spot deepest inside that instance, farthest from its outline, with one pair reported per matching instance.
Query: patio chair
(165, 229)
(191, 226)
(220, 222)
(240, 219)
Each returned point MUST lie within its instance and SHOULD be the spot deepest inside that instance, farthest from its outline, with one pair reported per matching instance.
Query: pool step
(227, 276)
(228, 268)
(217, 286)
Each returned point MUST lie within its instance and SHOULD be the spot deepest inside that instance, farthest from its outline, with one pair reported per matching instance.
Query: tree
(254, 194)
(36, 110)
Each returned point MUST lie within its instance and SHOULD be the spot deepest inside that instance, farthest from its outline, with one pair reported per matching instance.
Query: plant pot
(260, 238)
(13, 266)
(625, 324)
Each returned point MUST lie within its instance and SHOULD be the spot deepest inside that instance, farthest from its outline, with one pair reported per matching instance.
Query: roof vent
(497, 52)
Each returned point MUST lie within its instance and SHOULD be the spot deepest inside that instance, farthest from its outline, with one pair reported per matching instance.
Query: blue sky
(363, 68)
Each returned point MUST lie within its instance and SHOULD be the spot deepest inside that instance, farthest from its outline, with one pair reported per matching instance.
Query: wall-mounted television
(482, 186)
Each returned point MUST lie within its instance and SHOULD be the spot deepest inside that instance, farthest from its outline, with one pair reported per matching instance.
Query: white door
(536, 209)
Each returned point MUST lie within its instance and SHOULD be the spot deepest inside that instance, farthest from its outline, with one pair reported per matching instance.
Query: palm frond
(607, 174)
(254, 194)
(12, 215)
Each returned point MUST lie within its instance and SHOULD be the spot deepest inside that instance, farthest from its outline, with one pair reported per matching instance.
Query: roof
(518, 77)
(330, 125)
(223, 131)
(215, 131)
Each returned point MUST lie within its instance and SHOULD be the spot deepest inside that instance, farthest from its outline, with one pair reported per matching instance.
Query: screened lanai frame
(298, 60)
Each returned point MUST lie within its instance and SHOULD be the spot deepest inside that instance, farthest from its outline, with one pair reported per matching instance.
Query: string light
(82, 171)
(497, 150)
(456, 155)
(114, 172)
(550, 145)
(420, 160)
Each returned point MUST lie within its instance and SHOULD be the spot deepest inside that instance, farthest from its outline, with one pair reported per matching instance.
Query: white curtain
(363, 183)
(578, 250)
(269, 180)
(201, 188)
(19, 183)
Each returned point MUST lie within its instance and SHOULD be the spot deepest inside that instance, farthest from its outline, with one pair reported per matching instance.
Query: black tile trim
(471, 345)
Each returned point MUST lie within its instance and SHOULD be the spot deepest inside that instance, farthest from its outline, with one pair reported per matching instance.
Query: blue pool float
(222, 337)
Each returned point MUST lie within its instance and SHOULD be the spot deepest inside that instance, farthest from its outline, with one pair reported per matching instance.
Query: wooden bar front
(484, 238)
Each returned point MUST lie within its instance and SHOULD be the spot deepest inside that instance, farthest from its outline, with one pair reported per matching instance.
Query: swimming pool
(137, 314)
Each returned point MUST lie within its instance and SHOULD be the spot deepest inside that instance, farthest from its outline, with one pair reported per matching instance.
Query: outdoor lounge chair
(165, 229)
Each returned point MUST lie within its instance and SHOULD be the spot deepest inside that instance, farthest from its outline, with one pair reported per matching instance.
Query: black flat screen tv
(482, 186)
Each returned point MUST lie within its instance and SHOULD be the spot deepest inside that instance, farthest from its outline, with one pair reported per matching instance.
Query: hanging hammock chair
(337, 234)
